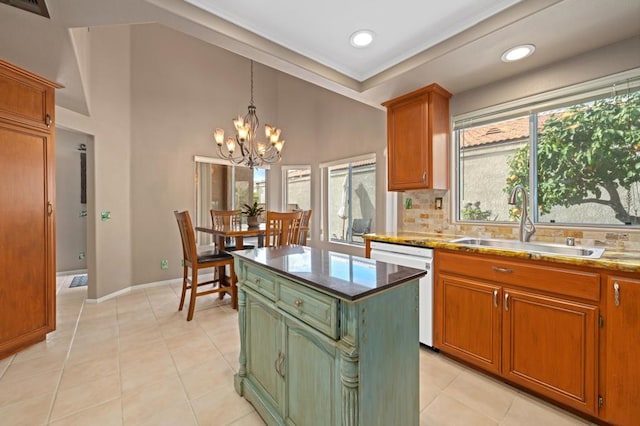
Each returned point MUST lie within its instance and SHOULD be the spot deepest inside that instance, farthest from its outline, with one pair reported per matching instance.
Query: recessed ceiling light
(361, 38)
(518, 52)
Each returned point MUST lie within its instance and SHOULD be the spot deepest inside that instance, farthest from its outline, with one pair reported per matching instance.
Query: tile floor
(135, 360)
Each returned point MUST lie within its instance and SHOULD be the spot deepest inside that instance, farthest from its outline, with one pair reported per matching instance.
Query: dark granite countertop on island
(345, 276)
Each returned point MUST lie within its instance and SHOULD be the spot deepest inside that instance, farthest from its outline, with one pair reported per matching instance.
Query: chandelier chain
(252, 82)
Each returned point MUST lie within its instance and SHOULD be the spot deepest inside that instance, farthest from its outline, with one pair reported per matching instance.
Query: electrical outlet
(164, 264)
(81, 256)
(181, 262)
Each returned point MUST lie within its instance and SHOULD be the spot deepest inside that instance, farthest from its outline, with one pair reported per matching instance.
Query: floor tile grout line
(184, 390)
(66, 360)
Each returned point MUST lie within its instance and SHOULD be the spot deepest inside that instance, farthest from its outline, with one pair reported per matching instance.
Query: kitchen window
(576, 151)
(349, 199)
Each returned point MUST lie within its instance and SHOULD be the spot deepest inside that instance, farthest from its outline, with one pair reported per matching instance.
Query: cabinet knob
(298, 303)
(258, 280)
(49, 208)
(47, 121)
(616, 293)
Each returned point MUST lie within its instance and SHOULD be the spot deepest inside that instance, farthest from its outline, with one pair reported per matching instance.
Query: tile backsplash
(424, 217)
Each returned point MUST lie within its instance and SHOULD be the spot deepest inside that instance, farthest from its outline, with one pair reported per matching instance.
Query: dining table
(235, 231)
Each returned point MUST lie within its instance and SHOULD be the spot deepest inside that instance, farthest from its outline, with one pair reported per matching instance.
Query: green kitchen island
(327, 338)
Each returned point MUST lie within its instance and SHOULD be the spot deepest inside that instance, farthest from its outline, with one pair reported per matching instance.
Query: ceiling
(457, 43)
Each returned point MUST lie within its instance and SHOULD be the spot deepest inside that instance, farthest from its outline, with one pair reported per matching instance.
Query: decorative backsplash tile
(424, 217)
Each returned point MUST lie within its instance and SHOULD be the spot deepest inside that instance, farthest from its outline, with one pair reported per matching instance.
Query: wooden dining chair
(303, 233)
(282, 228)
(197, 261)
(228, 218)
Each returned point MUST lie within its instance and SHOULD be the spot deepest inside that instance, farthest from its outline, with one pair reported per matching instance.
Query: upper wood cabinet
(418, 139)
(27, 200)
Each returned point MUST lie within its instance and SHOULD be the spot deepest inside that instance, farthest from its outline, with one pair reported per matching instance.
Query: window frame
(324, 180)
(612, 85)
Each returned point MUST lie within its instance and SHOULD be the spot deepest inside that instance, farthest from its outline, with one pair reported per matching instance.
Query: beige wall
(109, 257)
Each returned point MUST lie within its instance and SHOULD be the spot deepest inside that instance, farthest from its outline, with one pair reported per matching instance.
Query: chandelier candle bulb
(219, 136)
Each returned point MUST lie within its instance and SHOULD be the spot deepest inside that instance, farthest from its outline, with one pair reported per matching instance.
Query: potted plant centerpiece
(252, 212)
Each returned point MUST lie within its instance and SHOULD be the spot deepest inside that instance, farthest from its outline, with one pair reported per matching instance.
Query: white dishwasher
(419, 258)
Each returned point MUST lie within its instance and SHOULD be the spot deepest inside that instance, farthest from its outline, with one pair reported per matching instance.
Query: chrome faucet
(526, 225)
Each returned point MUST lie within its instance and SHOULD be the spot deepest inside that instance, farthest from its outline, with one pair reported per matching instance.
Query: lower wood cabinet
(550, 346)
(310, 358)
(530, 332)
(474, 304)
(621, 404)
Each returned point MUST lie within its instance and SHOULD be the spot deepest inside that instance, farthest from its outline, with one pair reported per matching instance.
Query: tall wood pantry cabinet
(27, 200)
(418, 139)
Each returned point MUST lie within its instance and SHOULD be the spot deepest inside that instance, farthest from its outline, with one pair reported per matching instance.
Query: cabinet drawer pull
(258, 281)
(505, 270)
(47, 121)
(278, 364)
(298, 303)
(49, 208)
(495, 298)
(506, 301)
(424, 177)
(616, 293)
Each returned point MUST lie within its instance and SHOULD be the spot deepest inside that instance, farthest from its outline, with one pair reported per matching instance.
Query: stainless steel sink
(543, 248)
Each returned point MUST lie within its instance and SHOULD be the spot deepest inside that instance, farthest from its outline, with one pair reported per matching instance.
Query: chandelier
(244, 147)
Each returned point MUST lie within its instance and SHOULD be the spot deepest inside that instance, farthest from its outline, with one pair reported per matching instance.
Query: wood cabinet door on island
(418, 139)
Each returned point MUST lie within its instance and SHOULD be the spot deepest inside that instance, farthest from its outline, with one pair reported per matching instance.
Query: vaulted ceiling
(457, 43)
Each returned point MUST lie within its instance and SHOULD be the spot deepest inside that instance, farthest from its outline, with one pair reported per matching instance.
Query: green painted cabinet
(310, 358)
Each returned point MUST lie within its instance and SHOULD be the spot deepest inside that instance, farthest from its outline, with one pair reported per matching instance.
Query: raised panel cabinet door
(469, 320)
(550, 346)
(264, 349)
(312, 377)
(26, 98)
(407, 145)
(622, 375)
(27, 297)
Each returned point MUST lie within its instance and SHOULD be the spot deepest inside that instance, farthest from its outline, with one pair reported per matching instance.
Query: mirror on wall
(220, 185)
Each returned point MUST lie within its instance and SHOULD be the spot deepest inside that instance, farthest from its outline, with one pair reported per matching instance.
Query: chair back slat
(282, 228)
(220, 218)
(304, 227)
(187, 236)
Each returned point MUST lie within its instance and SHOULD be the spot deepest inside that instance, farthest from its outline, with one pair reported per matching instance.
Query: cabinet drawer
(261, 281)
(310, 306)
(567, 282)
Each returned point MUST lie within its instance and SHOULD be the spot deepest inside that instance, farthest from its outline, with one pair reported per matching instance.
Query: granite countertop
(612, 259)
(342, 275)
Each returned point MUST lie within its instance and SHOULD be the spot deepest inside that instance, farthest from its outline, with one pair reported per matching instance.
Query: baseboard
(133, 287)
(73, 272)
